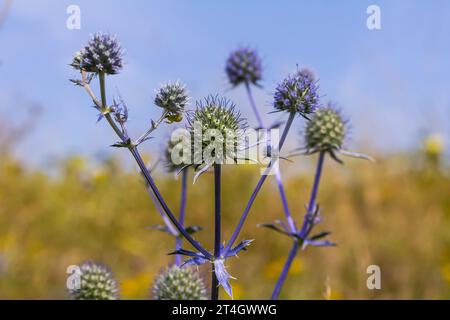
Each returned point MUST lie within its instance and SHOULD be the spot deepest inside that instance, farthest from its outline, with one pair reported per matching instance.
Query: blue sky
(393, 83)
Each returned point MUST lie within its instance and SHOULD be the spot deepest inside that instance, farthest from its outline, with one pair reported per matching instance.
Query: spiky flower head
(216, 120)
(177, 283)
(298, 93)
(102, 53)
(96, 283)
(326, 131)
(173, 98)
(244, 66)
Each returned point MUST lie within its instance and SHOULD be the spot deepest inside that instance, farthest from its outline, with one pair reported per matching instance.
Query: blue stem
(149, 179)
(179, 240)
(258, 187)
(312, 200)
(217, 227)
(306, 227)
(284, 273)
(279, 179)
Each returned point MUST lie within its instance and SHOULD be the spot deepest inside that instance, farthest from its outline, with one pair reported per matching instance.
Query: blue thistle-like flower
(102, 53)
(96, 283)
(173, 98)
(298, 93)
(244, 66)
(219, 116)
(177, 283)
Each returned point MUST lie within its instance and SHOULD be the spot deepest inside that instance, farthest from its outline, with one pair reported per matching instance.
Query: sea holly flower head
(298, 93)
(244, 66)
(102, 53)
(96, 283)
(218, 129)
(326, 131)
(177, 283)
(173, 99)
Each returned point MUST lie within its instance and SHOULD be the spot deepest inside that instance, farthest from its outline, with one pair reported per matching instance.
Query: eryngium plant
(218, 127)
(173, 99)
(298, 93)
(96, 283)
(326, 131)
(177, 283)
(244, 66)
(102, 53)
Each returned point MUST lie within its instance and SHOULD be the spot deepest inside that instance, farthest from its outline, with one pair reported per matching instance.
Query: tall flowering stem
(217, 227)
(181, 217)
(306, 228)
(258, 186)
(149, 179)
(276, 168)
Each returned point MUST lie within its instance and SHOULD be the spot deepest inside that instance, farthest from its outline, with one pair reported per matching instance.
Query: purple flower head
(173, 98)
(298, 93)
(102, 53)
(244, 66)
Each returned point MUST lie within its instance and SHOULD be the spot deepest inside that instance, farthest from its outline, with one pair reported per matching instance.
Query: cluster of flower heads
(298, 93)
(244, 66)
(173, 98)
(217, 119)
(178, 283)
(96, 283)
(102, 53)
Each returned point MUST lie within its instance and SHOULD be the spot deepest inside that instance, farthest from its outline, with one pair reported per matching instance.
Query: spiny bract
(326, 131)
(103, 53)
(297, 93)
(96, 283)
(173, 98)
(244, 66)
(177, 283)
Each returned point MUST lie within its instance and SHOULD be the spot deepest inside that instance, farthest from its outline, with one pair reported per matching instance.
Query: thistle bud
(244, 66)
(177, 283)
(96, 283)
(297, 93)
(102, 53)
(173, 98)
(326, 131)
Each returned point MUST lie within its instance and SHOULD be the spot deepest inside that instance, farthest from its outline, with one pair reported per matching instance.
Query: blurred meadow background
(66, 197)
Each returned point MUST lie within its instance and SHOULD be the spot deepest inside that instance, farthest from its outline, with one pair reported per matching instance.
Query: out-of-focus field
(394, 213)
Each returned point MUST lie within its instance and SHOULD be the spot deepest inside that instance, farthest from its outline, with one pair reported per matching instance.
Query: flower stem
(217, 227)
(134, 151)
(179, 240)
(287, 266)
(258, 187)
(279, 179)
(306, 227)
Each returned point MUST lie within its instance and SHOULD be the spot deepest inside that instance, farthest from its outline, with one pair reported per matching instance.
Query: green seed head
(177, 283)
(326, 131)
(96, 283)
(215, 119)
